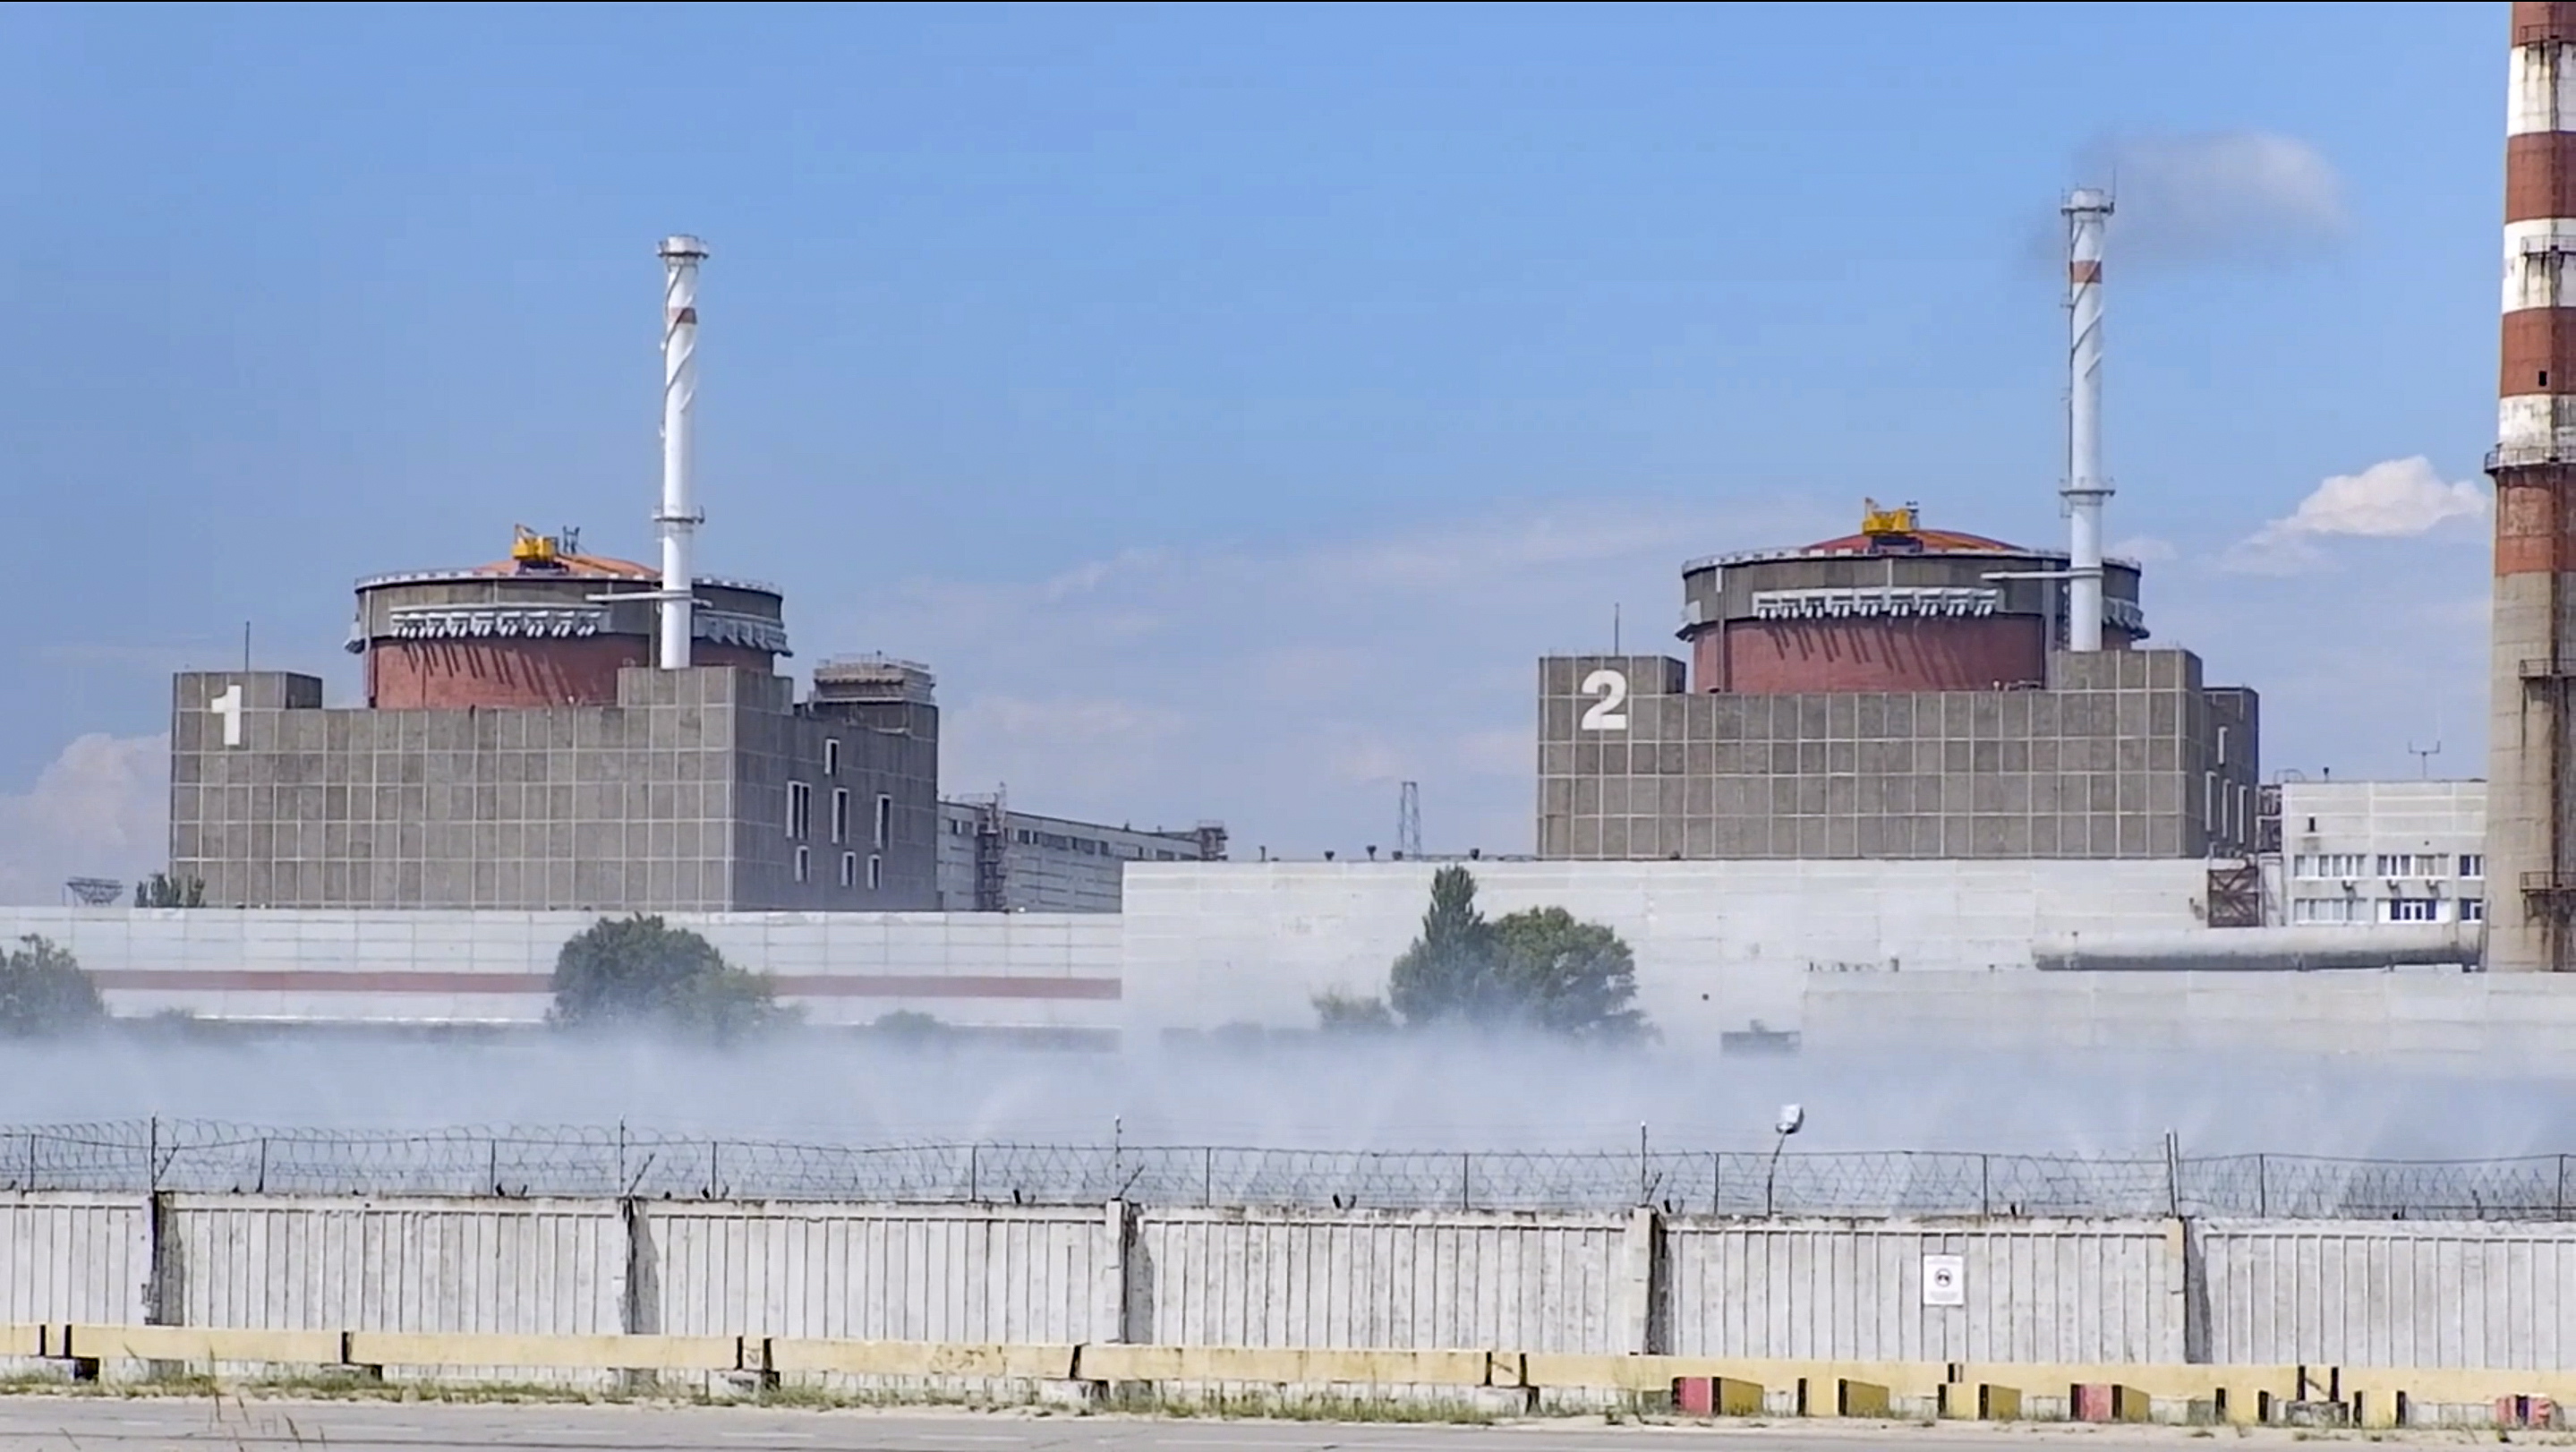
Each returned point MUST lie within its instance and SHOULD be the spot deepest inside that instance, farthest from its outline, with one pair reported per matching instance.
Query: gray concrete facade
(2126, 754)
(709, 789)
(992, 859)
(2084, 1292)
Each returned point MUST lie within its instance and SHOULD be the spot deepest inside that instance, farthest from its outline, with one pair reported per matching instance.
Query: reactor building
(1910, 692)
(563, 730)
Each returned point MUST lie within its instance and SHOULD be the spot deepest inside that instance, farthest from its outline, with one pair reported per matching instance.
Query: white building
(2380, 852)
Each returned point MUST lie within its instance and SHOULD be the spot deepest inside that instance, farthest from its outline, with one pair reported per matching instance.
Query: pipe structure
(2531, 807)
(679, 516)
(2261, 950)
(2087, 210)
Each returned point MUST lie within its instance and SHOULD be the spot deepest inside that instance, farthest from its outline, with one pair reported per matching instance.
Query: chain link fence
(208, 1157)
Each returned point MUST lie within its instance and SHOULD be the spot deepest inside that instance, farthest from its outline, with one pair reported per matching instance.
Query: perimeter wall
(2422, 1294)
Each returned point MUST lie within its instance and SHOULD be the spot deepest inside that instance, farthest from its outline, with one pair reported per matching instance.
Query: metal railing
(206, 1157)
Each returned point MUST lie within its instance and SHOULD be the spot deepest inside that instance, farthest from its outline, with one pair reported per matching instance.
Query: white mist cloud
(2392, 499)
(2217, 196)
(100, 809)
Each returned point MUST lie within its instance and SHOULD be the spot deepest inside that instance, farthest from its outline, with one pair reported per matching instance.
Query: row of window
(849, 868)
(2385, 864)
(1087, 846)
(2385, 910)
(800, 814)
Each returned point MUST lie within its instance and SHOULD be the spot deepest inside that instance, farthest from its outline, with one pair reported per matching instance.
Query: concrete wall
(1022, 970)
(1719, 945)
(2369, 1294)
(2424, 1014)
(504, 1266)
(1410, 1281)
(2348, 1293)
(675, 797)
(74, 1257)
(883, 1273)
(2071, 1291)
(2124, 755)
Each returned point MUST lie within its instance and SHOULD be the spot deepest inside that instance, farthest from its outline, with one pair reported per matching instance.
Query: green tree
(1446, 974)
(1349, 1013)
(43, 991)
(1538, 969)
(161, 890)
(1554, 973)
(640, 972)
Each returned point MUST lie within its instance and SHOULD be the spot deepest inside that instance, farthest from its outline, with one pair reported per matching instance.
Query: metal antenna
(2423, 757)
(1408, 820)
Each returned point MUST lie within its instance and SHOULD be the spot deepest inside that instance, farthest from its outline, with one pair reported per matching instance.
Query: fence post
(152, 1156)
(974, 1167)
(1716, 1166)
(31, 1162)
(1466, 1198)
(621, 1158)
(2173, 1174)
(1207, 1176)
(715, 1169)
(1985, 1185)
(262, 1187)
(2262, 1188)
(1645, 1186)
(2561, 1205)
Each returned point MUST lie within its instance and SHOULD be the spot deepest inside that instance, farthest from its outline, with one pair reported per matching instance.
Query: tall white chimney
(2086, 211)
(679, 516)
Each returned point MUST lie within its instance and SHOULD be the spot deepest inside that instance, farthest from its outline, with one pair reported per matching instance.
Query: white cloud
(2392, 499)
(2217, 196)
(100, 809)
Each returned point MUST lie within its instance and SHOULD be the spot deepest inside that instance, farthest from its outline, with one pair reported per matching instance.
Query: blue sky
(1228, 403)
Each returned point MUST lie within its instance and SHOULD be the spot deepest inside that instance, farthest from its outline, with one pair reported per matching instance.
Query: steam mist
(1374, 1094)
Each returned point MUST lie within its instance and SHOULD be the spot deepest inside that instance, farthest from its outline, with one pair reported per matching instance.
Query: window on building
(2209, 801)
(1025, 837)
(2413, 910)
(2222, 746)
(831, 757)
(2473, 910)
(885, 820)
(804, 863)
(2473, 864)
(2324, 910)
(800, 811)
(849, 869)
(840, 814)
(876, 872)
(2413, 864)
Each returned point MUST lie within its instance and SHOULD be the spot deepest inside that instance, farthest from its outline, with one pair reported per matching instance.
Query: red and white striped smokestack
(2531, 880)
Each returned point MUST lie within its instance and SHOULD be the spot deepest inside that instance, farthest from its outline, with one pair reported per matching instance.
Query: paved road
(99, 1424)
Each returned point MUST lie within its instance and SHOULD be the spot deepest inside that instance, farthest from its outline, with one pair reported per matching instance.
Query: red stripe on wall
(793, 985)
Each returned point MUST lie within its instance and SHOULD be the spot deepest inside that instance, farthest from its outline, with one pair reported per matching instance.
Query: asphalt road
(72, 1424)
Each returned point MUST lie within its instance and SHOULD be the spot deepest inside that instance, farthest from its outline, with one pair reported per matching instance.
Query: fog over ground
(1367, 1095)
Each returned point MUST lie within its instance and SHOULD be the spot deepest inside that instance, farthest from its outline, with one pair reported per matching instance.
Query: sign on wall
(1609, 692)
(1945, 1280)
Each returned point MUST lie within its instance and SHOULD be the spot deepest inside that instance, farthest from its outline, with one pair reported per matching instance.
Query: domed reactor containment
(1900, 692)
(1896, 607)
(548, 626)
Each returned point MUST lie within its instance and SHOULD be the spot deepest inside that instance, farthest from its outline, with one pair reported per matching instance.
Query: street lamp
(1792, 1118)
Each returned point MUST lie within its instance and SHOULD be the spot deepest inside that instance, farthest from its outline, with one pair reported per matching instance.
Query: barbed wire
(204, 1156)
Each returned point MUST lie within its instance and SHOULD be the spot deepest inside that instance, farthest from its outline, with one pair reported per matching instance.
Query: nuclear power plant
(1912, 779)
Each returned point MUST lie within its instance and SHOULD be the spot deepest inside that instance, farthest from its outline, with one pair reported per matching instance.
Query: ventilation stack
(2531, 881)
